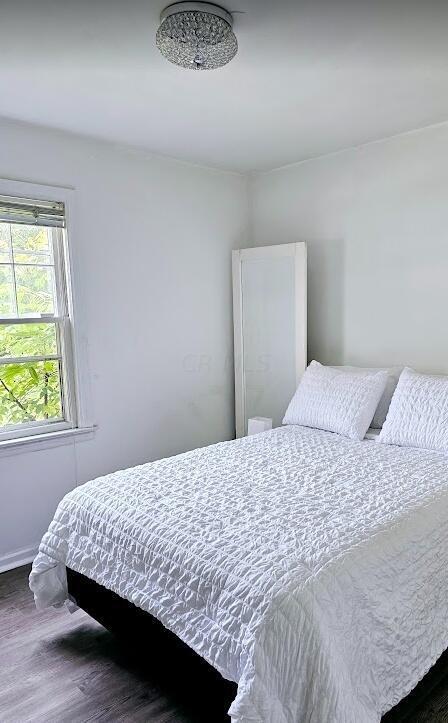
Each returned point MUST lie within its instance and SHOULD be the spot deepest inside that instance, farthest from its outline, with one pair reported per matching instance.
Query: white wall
(376, 222)
(160, 345)
(152, 266)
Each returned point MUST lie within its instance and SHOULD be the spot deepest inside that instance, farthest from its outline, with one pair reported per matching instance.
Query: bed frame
(116, 614)
(133, 624)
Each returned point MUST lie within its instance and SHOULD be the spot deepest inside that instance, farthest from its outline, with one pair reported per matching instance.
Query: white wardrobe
(269, 311)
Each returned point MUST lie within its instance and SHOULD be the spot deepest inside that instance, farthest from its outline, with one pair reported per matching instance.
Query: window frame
(75, 399)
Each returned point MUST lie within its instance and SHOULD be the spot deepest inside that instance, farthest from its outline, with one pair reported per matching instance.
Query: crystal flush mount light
(197, 35)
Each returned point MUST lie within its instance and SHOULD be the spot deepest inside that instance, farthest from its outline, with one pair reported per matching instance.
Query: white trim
(17, 558)
(301, 309)
(63, 329)
(261, 252)
(33, 429)
(43, 441)
(77, 394)
(40, 192)
(238, 351)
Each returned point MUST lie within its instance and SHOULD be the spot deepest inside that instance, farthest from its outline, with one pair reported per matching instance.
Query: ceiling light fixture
(197, 35)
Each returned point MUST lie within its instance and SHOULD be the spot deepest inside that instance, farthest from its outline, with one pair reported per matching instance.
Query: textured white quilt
(309, 568)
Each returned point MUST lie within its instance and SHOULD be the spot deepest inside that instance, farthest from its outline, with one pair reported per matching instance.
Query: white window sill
(44, 441)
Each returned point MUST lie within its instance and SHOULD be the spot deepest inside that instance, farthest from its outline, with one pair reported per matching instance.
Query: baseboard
(17, 558)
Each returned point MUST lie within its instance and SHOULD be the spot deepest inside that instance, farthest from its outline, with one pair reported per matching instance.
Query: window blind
(32, 212)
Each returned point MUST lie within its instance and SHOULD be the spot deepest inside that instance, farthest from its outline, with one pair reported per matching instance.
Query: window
(36, 370)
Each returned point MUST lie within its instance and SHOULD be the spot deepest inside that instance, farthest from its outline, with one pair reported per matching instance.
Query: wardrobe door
(269, 297)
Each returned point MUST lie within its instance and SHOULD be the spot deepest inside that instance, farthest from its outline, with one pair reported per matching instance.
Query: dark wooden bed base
(109, 609)
(125, 619)
(121, 616)
(141, 629)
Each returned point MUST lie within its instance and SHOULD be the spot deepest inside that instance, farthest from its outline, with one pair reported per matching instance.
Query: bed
(310, 569)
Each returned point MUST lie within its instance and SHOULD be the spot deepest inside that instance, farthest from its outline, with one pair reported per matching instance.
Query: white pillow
(336, 400)
(418, 413)
(393, 375)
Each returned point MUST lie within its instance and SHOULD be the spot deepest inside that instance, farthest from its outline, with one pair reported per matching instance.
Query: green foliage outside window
(29, 390)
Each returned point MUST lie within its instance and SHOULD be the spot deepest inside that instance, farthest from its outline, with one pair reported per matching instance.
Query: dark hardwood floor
(57, 667)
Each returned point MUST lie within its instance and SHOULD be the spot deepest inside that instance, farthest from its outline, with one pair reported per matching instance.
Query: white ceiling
(311, 76)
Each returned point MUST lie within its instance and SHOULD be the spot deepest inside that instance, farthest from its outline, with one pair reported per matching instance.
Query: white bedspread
(310, 569)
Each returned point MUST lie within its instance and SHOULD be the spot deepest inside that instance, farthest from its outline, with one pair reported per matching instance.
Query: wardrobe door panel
(270, 329)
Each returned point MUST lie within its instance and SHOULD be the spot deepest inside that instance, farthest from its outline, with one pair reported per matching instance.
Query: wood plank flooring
(62, 668)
